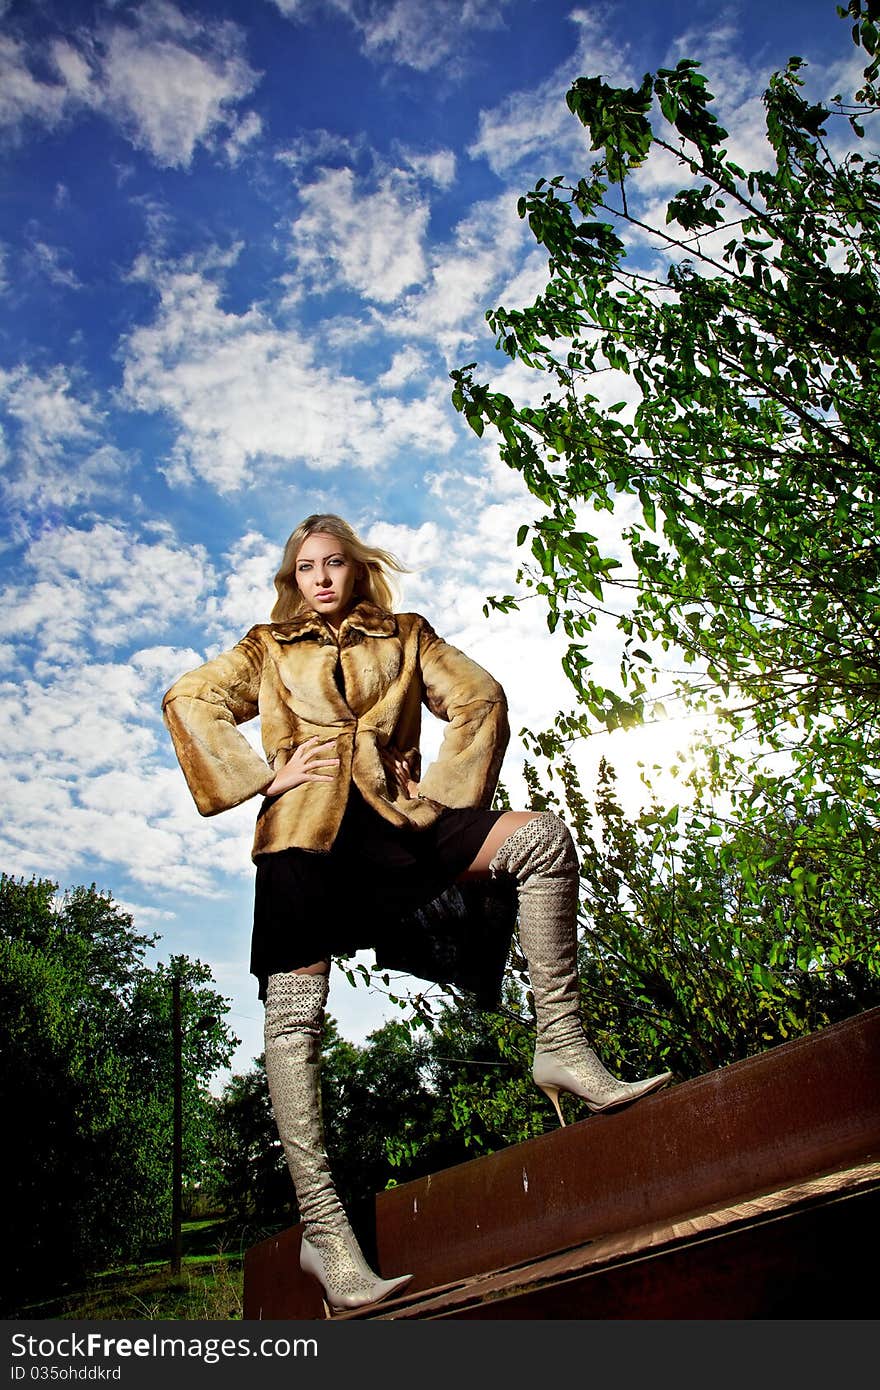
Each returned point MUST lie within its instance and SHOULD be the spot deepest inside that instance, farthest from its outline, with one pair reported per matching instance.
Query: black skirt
(391, 890)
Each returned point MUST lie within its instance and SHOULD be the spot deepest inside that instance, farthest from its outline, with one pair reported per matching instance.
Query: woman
(349, 835)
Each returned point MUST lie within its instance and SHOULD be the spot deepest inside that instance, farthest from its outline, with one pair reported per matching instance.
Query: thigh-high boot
(541, 857)
(330, 1251)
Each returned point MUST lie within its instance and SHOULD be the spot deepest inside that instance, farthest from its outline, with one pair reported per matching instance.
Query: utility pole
(203, 1024)
(177, 1139)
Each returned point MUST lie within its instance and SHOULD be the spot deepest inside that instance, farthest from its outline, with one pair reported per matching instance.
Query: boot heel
(552, 1094)
(357, 1286)
(583, 1075)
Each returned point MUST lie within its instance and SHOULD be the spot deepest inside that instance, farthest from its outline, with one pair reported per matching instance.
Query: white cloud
(319, 147)
(163, 664)
(89, 772)
(405, 364)
(49, 261)
(46, 411)
(464, 277)
(55, 452)
(527, 282)
(248, 593)
(243, 133)
(75, 71)
(24, 97)
(532, 133)
(370, 242)
(340, 333)
(409, 32)
(144, 914)
(81, 724)
(65, 812)
(437, 166)
(104, 586)
(244, 392)
(169, 81)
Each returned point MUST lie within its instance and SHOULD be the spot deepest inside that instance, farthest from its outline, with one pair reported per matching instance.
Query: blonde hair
(372, 582)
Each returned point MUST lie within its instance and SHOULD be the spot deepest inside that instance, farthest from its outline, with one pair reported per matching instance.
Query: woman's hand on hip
(404, 778)
(305, 764)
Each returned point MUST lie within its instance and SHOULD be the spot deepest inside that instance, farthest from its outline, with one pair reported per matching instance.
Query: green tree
(712, 378)
(86, 1084)
(740, 355)
(252, 1184)
(703, 941)
(378, 1112)
(146, 1040)
(480, 1067)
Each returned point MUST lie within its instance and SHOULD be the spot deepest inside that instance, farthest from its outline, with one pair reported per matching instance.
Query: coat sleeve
(201, 711)
(459, 691)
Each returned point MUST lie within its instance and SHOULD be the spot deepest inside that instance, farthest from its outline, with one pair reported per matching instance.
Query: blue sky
(242, 245)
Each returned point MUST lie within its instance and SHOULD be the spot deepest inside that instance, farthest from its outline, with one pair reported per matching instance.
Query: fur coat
(361, 687)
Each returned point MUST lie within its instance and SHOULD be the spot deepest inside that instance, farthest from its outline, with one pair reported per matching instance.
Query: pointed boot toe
(340, 1268)
(584, 1076)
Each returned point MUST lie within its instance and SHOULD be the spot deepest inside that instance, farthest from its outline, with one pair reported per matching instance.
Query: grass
(209, 1286)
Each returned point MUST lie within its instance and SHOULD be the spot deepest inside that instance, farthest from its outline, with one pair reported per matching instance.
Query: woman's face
(326, 576)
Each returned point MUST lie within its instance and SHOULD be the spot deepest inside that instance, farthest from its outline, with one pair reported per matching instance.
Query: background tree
(712, 389)
(86, 1084)
(206, 1044)
(706, 942)
(480, 1069)
(741, 452)
(251, 1182)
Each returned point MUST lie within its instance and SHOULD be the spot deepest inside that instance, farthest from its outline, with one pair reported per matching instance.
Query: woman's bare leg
(501, 831)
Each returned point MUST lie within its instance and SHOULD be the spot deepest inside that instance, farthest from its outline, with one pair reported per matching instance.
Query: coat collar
(365, 618)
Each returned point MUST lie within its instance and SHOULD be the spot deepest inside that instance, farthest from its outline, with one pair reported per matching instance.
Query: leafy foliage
(712, 375)
(86, 1083)
(251, 1182)
(717, 392)
(706, 940)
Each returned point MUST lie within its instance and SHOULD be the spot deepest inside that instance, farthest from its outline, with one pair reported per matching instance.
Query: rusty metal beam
(798, 1252)
(274, 1285)
(807, 1108)
(806, 1265)
(804, 1108)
